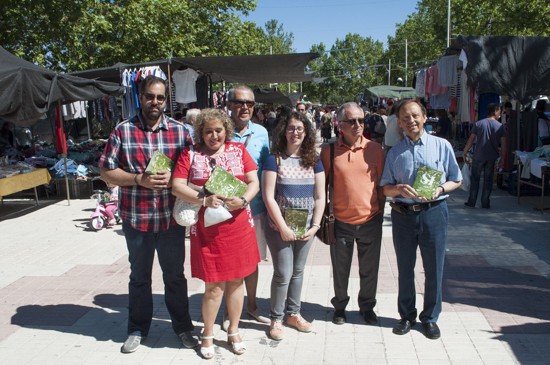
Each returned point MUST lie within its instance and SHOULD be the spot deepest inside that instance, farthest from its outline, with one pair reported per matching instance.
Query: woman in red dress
(224, 253)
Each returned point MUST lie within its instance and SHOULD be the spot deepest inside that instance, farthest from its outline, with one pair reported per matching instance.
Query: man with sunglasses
(146, 205)
(358, 209)
(255, 138)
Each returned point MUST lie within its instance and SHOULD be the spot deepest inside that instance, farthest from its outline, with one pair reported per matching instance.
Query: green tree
(77, 35)
(349, 67)
(278, 40)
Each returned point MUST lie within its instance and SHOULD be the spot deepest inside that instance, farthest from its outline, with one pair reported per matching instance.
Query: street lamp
(448, 23)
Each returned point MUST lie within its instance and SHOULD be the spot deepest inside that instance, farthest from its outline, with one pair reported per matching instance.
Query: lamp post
(448, 23)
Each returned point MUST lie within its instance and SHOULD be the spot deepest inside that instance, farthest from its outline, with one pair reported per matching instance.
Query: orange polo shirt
(357, 172)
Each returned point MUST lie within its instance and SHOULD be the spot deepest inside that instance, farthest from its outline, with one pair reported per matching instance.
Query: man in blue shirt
(255, 138)
(416, 221)
(488, 134)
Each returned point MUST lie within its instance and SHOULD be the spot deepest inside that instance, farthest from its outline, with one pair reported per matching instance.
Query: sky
(316, 21)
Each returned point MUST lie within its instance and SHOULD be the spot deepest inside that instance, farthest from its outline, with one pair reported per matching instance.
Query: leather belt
(404, 208)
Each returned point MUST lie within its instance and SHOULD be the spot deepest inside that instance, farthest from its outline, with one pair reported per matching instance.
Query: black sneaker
(339, 317)
(468, 205)
(132, 343)
(188, 340)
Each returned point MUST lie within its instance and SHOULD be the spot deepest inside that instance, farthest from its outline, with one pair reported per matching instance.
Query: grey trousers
(289, 260)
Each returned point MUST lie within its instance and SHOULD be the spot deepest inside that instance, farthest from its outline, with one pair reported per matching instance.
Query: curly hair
(308, 152)
(207, 115)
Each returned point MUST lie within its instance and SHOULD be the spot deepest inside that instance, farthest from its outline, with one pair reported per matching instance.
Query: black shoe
(431, 330)
(468, 205)
(188, 340)
(370, 317)
(339, 316)
(486, 206)
(403, 327)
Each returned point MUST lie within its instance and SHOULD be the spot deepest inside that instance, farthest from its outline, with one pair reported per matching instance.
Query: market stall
(29, 91)
(20, 182)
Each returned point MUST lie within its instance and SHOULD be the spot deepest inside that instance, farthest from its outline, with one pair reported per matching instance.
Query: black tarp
(259, 69)
(271, 96)
(27, 90)
(518, 67)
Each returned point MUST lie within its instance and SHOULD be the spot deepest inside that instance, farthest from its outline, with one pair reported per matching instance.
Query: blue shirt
(406, 157)
(258, 148)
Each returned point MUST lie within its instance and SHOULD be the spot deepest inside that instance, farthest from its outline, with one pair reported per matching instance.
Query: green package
(159, 161)
(224, 184)
(296, 219)
(426, 182)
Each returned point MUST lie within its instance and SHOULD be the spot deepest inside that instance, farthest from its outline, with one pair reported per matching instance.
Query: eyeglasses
(240, 103)
(151, 97)
(354, 121)
(300, 130)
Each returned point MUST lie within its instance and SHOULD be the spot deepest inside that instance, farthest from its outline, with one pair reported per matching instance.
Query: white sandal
(239, 348)
(208, 351)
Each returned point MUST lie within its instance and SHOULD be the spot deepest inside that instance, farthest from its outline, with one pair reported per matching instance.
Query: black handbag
(326, 232)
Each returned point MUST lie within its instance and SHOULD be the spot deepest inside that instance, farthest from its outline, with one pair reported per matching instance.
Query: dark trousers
(170, 247)
(488, 169)
(426, 230)
(369, 238)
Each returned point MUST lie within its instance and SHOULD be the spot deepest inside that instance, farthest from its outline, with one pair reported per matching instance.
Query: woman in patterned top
(293, 179)
(224, 253)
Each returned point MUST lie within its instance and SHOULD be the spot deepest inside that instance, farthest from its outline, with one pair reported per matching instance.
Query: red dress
(227, 250)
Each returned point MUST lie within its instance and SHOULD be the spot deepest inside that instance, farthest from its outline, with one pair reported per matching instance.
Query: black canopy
(258, 69)
(27, 90)
(271, 96)
(518, 67)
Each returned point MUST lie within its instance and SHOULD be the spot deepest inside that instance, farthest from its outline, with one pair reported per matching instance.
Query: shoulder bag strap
(330, 184)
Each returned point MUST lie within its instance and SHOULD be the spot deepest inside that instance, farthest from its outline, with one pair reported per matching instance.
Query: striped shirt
(406, 157)
(295, 184)
(130, 148)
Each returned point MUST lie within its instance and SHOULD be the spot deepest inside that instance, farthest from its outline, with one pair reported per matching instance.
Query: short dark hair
(150, 80)
(493, 108)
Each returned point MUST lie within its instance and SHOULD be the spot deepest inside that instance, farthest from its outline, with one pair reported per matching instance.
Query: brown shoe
(276, 329)
(298, 322)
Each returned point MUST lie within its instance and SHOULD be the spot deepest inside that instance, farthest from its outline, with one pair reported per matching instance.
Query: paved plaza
(63, 296)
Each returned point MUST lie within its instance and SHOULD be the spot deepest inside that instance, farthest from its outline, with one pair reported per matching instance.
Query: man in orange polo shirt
(358, 208)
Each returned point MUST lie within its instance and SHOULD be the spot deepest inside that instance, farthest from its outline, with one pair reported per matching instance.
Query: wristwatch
(245, 202)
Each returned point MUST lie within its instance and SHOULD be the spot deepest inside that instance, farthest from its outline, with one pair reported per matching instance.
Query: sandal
(207, 351)
(239, 348)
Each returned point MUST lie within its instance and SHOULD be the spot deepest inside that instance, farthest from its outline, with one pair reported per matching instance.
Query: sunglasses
(240, 103)
(151, 97)
(354, 121)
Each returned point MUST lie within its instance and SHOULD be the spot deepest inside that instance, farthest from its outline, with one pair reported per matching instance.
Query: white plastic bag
(465, 177)
(216, 215)
(186, 214)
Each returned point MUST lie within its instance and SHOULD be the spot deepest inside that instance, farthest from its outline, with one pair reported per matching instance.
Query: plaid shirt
(130, 148)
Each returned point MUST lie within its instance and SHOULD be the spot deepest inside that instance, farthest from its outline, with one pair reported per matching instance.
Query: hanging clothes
(185, 82)
(447, 66)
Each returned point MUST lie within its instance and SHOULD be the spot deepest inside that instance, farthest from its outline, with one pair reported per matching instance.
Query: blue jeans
(170, 247)
(289, 260)
(369, 240)
(428, 230)
(488, 169)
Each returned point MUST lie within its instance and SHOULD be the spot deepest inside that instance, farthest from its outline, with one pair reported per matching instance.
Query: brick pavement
(63, 292)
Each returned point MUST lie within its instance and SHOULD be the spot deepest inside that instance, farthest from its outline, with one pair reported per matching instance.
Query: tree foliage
(349, 67)
(84, 34)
